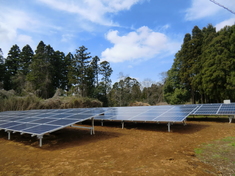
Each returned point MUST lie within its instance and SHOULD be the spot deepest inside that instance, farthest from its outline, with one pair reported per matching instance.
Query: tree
(39, 75)
(58, 70)
(204, 67)
(106, 71)
(217, 68)
(71, 70)
(2, 69)
(174, 91)
(12, 66)
(125, 92)
(81, 63)
(95, 68)
(26, 56)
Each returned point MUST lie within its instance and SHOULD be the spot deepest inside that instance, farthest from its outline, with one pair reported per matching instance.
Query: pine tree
(81, 69)
(106, 71)
(26, 56)
(12, 66)
(2, 69)
(196, 53)
(95, 67)
(39, 75)
(70, 71)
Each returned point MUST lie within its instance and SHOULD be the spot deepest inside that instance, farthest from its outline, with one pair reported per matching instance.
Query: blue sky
(138, 37)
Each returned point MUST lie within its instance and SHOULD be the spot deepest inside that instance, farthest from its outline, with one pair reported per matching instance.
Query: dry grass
(139, 104)
(10, 102)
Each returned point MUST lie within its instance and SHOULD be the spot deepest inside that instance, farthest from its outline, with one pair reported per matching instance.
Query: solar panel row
(40, 122)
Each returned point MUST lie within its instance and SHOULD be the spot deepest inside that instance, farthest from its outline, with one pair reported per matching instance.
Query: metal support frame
(92, 128)
(230, 118)
(9, 135)
(102, 123)
(169, 126)
(122, 124)
(40, 140)
(184, 122)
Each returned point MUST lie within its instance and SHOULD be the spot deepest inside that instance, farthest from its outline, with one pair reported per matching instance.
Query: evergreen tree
(58, 70)
(205, 67)
(106, 71)
(216, 68)
(71, 70)
(81, 69)
(209, 33)
(26, 56)
(2, 69)
(39, 75)
(12, 66)
(231, 77)
(196, 53)
(95, 67)
(174, 91)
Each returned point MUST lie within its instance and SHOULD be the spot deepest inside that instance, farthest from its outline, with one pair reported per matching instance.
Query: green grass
(219, 153)
(198, 151)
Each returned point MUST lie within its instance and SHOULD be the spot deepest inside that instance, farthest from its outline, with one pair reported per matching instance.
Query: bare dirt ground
(139, 149)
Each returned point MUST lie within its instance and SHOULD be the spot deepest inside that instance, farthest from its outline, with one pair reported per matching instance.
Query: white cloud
(11, 21)
(205, 8)
(222, 24)
(92, 10)
(143, 43)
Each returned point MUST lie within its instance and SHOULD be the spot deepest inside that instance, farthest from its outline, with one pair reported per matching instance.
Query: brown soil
(139, 149)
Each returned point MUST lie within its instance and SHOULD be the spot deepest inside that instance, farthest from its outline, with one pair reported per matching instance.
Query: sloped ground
(139, 149)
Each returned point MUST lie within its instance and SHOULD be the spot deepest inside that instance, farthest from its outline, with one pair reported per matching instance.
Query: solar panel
(227, 109)
(42, 129)
(40, 122)
(148, 113)
(22, 127)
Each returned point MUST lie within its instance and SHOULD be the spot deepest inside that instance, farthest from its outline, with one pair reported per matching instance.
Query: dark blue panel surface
(144, 117)
(45, 115)
(3, 122)
(21, 127)
(29, 119)
(63, 122)
(60, 116)
(227, 109)
(41, 121)
(42, 129)
(79, 116)
(9, 124)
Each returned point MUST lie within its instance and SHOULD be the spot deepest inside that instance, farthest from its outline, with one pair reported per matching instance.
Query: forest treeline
(203, 71)
(45, 71)
(204, 68)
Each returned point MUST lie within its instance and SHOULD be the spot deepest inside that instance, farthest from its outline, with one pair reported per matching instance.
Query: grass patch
(220, 154)
(198, 151)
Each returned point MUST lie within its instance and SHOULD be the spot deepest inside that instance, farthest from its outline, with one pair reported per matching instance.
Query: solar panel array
(215, 109)
(40, 122)
(148, 113)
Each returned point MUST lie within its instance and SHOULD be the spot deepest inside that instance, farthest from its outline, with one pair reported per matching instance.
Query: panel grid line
(164, 113)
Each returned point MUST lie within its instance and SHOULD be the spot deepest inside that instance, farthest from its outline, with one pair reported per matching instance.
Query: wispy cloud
(205, 8)
(143, 43)
(93, 10)
(222, 24)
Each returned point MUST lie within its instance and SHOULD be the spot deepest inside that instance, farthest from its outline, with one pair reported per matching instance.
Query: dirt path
(139, 149)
